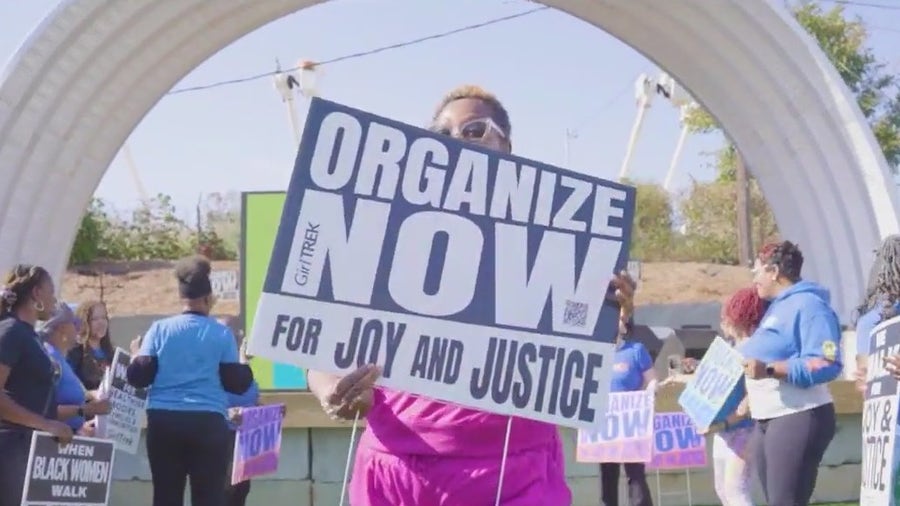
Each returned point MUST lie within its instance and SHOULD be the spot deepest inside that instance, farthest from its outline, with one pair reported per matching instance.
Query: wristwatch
(80, 412)
(770, 371)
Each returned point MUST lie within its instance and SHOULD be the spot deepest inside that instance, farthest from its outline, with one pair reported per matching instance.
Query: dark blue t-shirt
(32, 375)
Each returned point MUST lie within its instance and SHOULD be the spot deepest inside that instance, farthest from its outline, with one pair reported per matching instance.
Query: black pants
(14, 448)
(183, 444)
(788, 451)
(638, 490)
(235, 495)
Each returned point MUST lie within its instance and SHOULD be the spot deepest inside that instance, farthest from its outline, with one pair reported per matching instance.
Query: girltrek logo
(305, 267)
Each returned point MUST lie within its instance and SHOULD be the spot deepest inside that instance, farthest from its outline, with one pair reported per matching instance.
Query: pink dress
(416, 451)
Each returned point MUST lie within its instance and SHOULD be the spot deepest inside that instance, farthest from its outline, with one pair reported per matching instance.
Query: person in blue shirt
(789, 360)
(236, 495)
(74, 404)
(881, 303)
(190, 363)
(632, 370)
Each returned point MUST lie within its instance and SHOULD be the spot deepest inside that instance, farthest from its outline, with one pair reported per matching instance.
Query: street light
(302, 80)
(644, 90)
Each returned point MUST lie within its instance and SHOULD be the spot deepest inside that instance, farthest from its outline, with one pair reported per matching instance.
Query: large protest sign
(717, 386)
(879, 422)
(260, 216)
(676, 444)
(258, 443)
(468, 275)
(77, 474)
(127, 406)
(626, 431)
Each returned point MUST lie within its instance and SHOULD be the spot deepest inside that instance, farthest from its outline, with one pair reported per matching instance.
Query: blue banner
(469, 275)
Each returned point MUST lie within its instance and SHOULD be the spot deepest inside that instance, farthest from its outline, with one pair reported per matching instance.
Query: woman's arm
(820, 353)
(345, 397)
(650, 382)
(11, 411)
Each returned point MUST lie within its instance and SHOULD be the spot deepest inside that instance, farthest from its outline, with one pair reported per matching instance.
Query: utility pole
(744, 225)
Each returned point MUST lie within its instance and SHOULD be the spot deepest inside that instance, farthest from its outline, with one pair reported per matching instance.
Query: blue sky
(552, 71)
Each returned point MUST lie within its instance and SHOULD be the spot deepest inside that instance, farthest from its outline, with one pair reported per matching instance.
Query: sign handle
(502, 461)
(349, 458)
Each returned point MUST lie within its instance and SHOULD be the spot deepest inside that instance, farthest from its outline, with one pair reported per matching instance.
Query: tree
(652, 236)
(844, 41)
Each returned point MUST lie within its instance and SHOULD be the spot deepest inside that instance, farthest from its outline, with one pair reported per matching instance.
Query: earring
(39, 306)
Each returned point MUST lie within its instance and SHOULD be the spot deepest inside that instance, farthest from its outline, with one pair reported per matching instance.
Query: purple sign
(676, 443)
(258, 443)
(626, 434)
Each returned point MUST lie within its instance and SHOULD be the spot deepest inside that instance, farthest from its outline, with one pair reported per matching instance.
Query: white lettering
(350, 132)
(384, 148)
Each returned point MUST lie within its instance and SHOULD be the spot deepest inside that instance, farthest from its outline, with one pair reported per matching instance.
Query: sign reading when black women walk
(879, 422)
(468, 275)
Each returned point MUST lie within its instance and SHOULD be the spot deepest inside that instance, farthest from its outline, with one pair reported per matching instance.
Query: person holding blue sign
(73, 407)
(632, 370)
(789, 360)
(190, 363)
(418, 451)
(741, 316)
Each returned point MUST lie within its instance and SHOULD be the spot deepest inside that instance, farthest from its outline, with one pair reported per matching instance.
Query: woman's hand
(859, 376)
(353, 394)
(624, 294)
(59, 430)
(892, 365)
(135, 346)
(236, 416)
(755, 369)
(98, 407)
(89, 429)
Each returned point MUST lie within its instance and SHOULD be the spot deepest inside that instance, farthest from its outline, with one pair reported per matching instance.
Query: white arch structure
(93, 68)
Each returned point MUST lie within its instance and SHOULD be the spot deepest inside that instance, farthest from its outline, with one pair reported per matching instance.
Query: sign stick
(503, 460)
(349, 458)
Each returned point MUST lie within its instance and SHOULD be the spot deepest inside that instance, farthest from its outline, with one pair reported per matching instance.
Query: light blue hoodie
(799, 325)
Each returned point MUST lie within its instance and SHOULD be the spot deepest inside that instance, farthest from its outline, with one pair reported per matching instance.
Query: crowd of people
(418, 451)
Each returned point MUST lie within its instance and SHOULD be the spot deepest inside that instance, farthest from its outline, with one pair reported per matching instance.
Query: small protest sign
(257, 445)
(879, 420)
(469, 275)
(626, 433)
(77, 474)
(225, 284)
(676, 444)
(127, 406)
(717, 386)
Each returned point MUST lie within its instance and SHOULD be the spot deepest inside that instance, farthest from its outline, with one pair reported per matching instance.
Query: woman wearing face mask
(632, 370)
(732, 467)
(418, 451)
(190, 363)
(27, 376)
(92, 356)
(59, 333)
(789, 360)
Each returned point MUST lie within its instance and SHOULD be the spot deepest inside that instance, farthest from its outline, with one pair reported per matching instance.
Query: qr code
(575, 314)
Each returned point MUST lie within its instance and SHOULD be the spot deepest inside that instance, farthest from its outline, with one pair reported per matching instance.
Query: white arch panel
(93, 69)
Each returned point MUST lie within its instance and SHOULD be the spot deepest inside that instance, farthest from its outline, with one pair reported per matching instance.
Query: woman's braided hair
(18, 285)
(884, 280)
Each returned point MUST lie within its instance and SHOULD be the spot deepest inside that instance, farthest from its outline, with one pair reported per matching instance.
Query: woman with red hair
(741, 315)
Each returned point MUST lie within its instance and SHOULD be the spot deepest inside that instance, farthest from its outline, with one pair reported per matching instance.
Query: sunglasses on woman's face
(474, 130)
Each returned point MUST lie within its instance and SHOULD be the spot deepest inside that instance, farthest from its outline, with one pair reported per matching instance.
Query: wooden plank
(304, 410)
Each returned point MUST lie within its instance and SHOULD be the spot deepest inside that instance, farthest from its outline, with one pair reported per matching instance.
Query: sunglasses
(474, 130)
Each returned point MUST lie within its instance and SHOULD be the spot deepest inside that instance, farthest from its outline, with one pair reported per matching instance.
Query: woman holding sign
(788, 362)
(741, 315)
(59, 333)
(417, 451)
(190, 363)
(632, 371)
(27, 376)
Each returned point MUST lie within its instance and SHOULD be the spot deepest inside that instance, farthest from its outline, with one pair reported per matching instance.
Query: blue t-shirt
(69, 390)
(866, 324)
(630, 363)
(189, 348)
(248, 399)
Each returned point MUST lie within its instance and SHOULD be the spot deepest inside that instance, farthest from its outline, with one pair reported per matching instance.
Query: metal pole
(643, 104)
(744, 225)
(675, 157)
